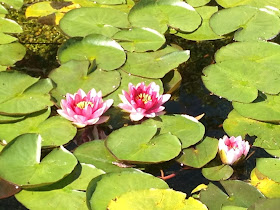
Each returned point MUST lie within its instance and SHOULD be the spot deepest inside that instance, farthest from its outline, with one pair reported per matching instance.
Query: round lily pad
(20, 162)
(201, 154)
(5, 38)
(217, 173)
(155, 199)
(188, 131)
(100, 193)
(17, 4)
(73, 75)
(269, 167)
(9, 26)
(255, 3)
(93, 20)
(197, 3)
(138, 143)
(11, 53)
(7, 118)
(107, 53)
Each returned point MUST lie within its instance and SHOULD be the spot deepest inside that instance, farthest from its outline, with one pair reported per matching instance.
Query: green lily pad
(233, 208)
(269, 167)
(217, 173)
(264, 108)
(6, 39)
(9, 26)
(139, 39)
(129, 78)
(256, 24)
(197, 3)
(97, 154)
(172, 81)
(255, 3)
(3, 10)
(35, 98)
(267, 133)
(62, 195)
(273, 152)
(55, 131)
(240, 80)
(11, 53)
(107, 53)
(160, 14)
(201, 154)
(204, 32)
(155, 64)
(6, 118)
(138, 143)
(265, 204)
(188, 131)
(93, 20)
(20, 162)
(100, 193)
(17, 4)
(73, 75)
(155, 199)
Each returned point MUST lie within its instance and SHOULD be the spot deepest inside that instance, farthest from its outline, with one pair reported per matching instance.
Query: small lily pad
(11, 53)
(217, 173)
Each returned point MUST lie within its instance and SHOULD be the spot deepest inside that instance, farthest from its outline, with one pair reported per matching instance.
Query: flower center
(84, 104)
(144, 97)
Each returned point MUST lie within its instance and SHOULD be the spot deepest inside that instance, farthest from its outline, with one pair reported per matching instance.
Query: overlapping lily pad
(155, 64)
(254, 23)
(201, 154)
(217, 173)
(139, 39)
(255, 3)
(11, 53)
(269, 167)
(10, 27)
(100, 193)
(197, 3)
(160, 14)
(93, 20)
(138, 143)
(107, 53)
(189, 131)
(267, 133)
(74, 75)
(17, 4)
(20, 162)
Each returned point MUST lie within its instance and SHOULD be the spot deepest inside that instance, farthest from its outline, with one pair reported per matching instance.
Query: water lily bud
(85, 109)
(232, 149)
(143, 101)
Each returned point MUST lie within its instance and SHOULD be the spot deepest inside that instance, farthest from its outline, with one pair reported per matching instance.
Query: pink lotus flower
(233, 149)
(143, 101)
(85, 109)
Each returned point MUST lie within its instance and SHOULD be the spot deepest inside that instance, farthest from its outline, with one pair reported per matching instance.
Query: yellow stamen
(144, 97)
(84, 104)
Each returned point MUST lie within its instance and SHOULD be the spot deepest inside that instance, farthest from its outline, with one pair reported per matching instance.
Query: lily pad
(264, 108)
(255, 3)
(9, 26)
(6, 118)
(256, 24)
(172, 81)
(139, 144)
(155, 64)
(265, 204)
(155, 199)
(100, 193)
(201, 154)
(20, 162)
(3, 10)
(160, 14)
(6, 39)
(188, 131)
(73, 75)
(62, 195)
(17, 4)
(273, 152)
(93, 20)
(217, 173)
(197, 3)
(139, 39)
(204, 32)
(269, 167)
(107, 53)
(11, 53)
(267, 133)
(97, 154)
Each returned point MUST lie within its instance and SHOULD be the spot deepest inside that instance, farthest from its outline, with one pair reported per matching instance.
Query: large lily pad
(160, 14)
(55, 131)
(267, 133)
(138, 143)
(255, 3)
(269, 167)
(17, 4)
(20, 162)
(107, 53)
(97, 154)
(93, 20)
(256, 24)
(68, 193)
(11, 53)
(164, 199)
(100, 193)
(74, 75)
(204, 32)
(140, 39)
(201, 154)
(188, 131)
(155, 64)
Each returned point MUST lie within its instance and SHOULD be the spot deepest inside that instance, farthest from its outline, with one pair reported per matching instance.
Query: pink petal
(136, 116)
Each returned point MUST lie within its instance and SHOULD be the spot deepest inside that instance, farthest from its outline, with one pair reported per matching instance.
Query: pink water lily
(143, 101)
(85, 109)
(232, 149)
